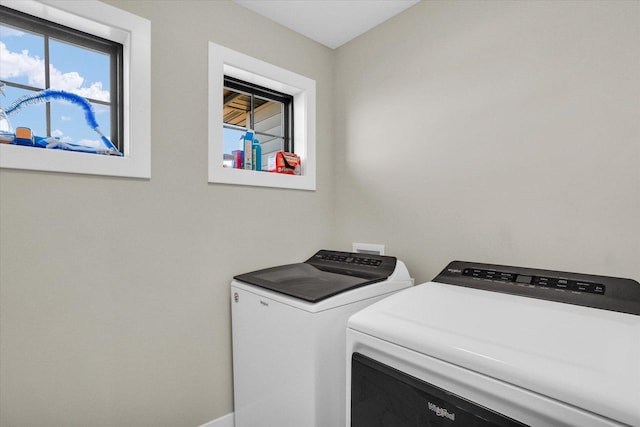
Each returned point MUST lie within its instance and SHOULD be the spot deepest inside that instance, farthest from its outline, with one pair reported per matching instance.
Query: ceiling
(330, 22)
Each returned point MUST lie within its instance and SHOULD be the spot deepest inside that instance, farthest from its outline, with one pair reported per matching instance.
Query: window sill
(261, 179)
(41, 159)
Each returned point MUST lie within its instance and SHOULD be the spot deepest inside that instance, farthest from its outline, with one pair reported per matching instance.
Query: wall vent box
(368, 248)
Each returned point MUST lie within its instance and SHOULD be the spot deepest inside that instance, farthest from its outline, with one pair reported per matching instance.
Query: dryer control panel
(603, 292)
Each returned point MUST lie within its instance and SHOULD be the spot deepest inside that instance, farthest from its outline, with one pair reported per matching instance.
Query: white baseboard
(226, 421)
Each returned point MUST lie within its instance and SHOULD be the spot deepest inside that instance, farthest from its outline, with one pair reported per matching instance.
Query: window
(283, 116)
(267, 112)
(37, 54)
(96, 53)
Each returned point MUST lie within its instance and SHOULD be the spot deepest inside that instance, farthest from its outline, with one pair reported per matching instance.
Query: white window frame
(134, 33)
(224, 61)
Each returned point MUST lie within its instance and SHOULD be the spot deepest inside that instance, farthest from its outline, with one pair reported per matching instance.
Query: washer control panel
(602, 292)
(347, 258)
(354, 264)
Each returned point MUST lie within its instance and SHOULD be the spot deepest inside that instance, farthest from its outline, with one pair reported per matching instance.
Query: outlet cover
(368, 248)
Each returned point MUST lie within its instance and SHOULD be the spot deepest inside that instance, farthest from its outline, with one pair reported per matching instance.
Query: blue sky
(72, 69)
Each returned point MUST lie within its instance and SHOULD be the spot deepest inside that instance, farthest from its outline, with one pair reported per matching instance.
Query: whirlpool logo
(441, 412)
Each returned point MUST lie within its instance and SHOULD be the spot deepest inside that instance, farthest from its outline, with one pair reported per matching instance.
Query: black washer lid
(324, 275)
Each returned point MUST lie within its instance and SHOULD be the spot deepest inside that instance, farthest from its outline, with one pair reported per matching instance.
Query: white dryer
(289, 332)
(489, 345)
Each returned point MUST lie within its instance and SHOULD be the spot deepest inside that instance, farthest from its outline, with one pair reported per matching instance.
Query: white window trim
(134, 33)
(224, 61)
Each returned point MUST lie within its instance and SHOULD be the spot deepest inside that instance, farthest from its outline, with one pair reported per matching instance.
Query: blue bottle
(257, 155)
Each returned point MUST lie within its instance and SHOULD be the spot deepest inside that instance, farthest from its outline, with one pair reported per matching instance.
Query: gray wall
(503, 132)
(493, 131)
(114, 292)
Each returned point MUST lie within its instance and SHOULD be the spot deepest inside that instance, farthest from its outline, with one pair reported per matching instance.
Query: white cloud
(96, 143)
(10, 32)
(21, 64)
(57, 133)
(94, 91)
(65, 118)
(91, 143)
(101, 109)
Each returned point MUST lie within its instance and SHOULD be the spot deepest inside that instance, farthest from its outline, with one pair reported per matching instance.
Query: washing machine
(289, 333)
(492, 345)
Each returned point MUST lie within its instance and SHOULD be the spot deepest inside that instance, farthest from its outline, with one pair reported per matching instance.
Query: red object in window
(238, 159)
(286, 163)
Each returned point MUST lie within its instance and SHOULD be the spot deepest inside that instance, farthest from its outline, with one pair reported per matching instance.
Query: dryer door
(382, 396)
